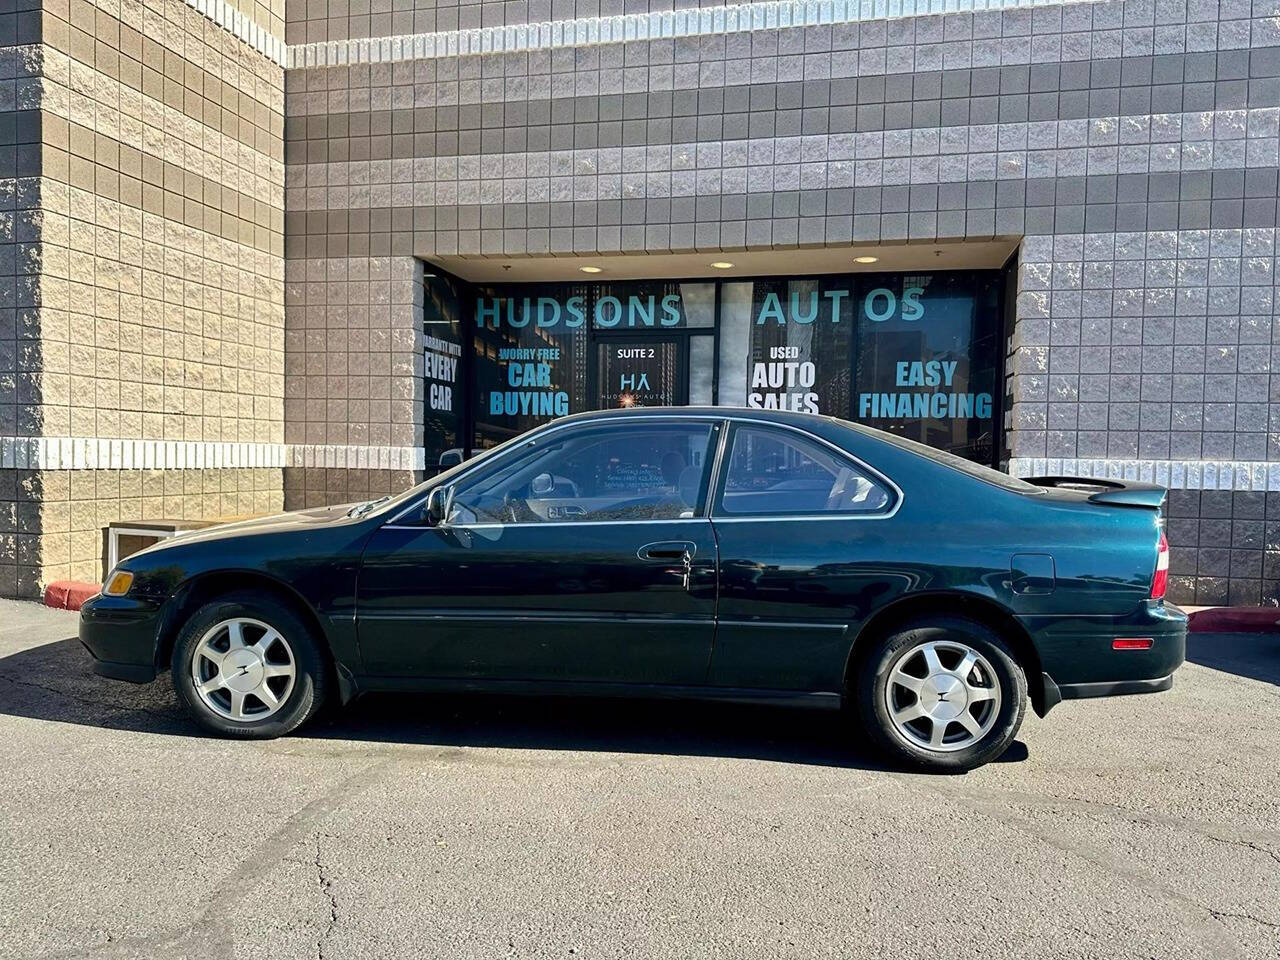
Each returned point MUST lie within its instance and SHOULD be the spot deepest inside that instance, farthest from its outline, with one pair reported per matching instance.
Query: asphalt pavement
(495, 827)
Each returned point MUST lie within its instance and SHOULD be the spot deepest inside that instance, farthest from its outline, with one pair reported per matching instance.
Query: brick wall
(150, 295)
(353, 369)
(20, 67)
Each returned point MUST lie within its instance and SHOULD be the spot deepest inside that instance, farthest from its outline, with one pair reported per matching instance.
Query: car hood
(276, 523)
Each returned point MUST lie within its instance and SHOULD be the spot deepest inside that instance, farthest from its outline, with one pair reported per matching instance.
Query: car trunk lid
(1127, 494)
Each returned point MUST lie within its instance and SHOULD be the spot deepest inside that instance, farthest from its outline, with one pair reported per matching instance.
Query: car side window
(777, 472)
(623, 472)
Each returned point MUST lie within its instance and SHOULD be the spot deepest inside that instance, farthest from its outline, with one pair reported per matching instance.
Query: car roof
(821, 424)
(825, 427)
(772, 416)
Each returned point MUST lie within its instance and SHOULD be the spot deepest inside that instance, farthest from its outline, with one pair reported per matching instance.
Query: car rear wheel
(941, 693)
(245, 665)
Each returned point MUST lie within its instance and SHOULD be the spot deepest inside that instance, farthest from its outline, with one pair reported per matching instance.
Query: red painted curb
(68, 594)
(1235, 620)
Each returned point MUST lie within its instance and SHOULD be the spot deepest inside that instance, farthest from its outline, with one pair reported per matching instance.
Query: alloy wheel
(243, 669)
(942, 696)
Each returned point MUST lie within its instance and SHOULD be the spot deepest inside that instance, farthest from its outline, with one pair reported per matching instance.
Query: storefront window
(533, 343)
(443, 301)
(927, 357)
(702, 371)
(640, 373)
(530, 350)
(786, 345)
(916, 354)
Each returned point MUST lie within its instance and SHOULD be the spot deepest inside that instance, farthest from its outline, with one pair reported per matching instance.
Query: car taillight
(1160, 582)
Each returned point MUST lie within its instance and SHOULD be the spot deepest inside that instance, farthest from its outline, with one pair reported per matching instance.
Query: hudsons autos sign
(888, 314)
(611, 313)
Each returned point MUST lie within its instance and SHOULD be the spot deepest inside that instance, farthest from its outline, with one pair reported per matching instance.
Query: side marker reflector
(1132, 643)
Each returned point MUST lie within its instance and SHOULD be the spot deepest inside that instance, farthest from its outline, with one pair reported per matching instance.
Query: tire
(277, 657)
(975, 731)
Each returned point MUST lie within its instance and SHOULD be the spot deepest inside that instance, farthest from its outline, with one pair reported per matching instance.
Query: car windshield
(392, 502)
(975, 470)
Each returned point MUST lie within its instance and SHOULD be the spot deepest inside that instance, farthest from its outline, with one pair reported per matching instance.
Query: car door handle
(672, 551)
(665, 551)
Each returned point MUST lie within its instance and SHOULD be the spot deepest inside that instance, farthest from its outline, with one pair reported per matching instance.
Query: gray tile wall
(1132, 145)
(686, 143)
(1228, 546)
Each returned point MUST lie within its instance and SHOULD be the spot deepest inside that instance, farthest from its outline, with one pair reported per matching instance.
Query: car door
(584, 554)
(797, 566)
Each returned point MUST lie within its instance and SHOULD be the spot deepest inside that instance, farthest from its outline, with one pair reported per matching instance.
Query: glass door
(641, 371)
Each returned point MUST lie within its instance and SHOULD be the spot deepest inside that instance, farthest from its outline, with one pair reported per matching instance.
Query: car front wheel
(246, 666)
(942, 693)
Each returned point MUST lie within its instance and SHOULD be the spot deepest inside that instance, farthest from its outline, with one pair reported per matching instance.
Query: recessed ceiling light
(721, 264)
(590, 269)
(865, 259)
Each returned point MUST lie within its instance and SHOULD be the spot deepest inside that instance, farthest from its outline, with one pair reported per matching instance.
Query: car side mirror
(433, 511)
(542, 485)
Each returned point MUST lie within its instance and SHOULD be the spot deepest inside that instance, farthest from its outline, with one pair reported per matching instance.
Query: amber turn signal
(118, 584)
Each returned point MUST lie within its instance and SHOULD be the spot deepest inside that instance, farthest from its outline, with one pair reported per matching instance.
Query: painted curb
(1235, 620)
(68, 594)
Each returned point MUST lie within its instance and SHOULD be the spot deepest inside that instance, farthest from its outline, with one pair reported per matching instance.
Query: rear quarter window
(774, 472)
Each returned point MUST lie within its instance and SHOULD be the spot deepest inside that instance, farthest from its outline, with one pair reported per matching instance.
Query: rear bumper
(120, 634)
(1118, 688)
(1078, 660)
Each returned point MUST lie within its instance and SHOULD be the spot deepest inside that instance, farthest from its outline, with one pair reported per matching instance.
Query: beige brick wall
(323, 486)
(353, 351)
(156, 308)
(353, 369)
(268, 14)
(75, 505)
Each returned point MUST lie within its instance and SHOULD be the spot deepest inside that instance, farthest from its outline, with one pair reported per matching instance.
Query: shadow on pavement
(1253, 655)
(53, 682)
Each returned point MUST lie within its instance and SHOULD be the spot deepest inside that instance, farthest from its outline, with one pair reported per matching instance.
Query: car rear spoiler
(1119, 493)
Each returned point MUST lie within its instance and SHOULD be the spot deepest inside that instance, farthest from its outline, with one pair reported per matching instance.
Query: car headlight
(118, 583)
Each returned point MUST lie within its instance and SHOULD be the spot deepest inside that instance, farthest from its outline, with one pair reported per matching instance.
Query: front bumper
(121, 633)
(1078, 660)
